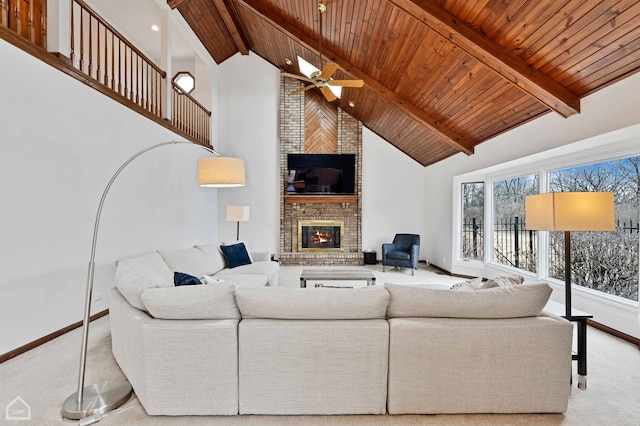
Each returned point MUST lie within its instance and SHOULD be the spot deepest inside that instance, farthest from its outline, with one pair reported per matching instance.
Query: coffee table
(337, 275)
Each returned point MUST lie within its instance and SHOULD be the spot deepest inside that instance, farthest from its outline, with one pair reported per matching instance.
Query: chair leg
(384, 267)
(412, 271)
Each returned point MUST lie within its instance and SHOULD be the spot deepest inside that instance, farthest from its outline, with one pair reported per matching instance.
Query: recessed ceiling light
(288, 61)
(155, 27)
(352, 104)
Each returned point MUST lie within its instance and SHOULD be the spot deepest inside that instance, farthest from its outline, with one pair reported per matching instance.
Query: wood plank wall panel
(320, 124)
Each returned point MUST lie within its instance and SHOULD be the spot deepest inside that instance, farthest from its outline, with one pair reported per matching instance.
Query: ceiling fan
(330, 88)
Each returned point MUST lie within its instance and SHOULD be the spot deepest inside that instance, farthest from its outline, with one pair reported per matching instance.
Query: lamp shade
(221, 172)
(238, 213)
(570, 211)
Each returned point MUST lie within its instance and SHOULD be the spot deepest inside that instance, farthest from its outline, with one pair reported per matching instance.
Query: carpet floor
(45, 376)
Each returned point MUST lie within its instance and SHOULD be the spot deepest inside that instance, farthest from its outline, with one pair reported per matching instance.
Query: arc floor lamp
(99, 398)
(570, 211)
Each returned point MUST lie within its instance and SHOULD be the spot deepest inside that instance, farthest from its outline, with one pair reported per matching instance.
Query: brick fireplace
(309, 124)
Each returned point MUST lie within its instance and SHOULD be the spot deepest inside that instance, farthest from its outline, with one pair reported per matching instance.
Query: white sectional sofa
(218, 349)
(206, 262)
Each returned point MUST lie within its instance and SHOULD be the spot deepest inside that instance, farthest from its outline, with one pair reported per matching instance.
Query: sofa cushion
(235, 255)
(300, 303)
(229, 243)
(180, 278)
(192, 302)
(208, 279)
(213, 255)
(242, 280)
(137, 274)
(267, 268)
(189, 261)
(524, 300)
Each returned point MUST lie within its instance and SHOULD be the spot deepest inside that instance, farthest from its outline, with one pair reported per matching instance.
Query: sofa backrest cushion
(214, 256)
(300, 303)
(137, 274)
(214, 301)
(189, 261)
(524, 300)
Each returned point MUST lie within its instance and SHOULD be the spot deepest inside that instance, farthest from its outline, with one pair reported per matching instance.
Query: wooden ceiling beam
(175, 3)
(231, 21)
(513, 69)
(431, 123)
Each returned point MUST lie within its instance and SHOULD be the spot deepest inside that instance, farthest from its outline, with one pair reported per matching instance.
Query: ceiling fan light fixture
(309, 71)
(306, 68)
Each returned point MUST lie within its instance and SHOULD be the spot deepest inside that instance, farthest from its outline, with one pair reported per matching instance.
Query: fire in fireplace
(320, 235)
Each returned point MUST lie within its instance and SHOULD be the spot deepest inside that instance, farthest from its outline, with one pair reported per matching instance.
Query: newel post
(59, 27)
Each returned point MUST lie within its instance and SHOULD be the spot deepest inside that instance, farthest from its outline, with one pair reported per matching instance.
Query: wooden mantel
(320, 199)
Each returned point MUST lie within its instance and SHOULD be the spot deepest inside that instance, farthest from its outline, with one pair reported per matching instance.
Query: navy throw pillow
(235, 255)
(180, 278)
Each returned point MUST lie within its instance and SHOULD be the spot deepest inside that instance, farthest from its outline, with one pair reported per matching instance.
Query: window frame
(611, 146)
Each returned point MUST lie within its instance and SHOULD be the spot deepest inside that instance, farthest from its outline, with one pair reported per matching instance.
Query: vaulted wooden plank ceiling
(441, 76)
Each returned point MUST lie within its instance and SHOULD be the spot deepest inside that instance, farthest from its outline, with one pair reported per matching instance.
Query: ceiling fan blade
(328, 70)
(328, 94)
(304, 89)
(346, 83)
(299, 77)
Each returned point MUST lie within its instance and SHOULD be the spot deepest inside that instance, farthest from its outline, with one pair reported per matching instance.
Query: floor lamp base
(98, 398)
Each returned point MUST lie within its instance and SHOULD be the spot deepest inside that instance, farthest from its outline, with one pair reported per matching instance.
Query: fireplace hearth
(320, 235)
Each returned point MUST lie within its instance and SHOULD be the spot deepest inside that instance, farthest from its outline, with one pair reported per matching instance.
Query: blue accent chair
(403, 252)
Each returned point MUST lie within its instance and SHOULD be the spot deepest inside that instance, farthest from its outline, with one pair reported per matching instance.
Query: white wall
(610, 109)
(392, 194)
(248, 102)
(60, 143)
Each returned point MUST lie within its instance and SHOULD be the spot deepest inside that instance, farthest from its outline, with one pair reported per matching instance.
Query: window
(512, 244)
(184, 81)
(603, 261)
(472, 221)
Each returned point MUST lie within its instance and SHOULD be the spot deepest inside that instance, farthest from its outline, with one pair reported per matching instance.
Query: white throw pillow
(137, 274)
(503, 281)
(474, 284)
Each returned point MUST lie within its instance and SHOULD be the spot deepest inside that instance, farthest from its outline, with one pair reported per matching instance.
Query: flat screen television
(321, 174)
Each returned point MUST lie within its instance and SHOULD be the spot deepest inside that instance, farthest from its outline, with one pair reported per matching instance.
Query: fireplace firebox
(320, 235)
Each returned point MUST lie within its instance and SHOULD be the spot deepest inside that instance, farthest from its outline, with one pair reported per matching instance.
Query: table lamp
(238, 214)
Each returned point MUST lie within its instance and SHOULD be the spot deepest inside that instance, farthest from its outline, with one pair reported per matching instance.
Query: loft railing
(26, 18)
(102, 53)
(190, 116)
